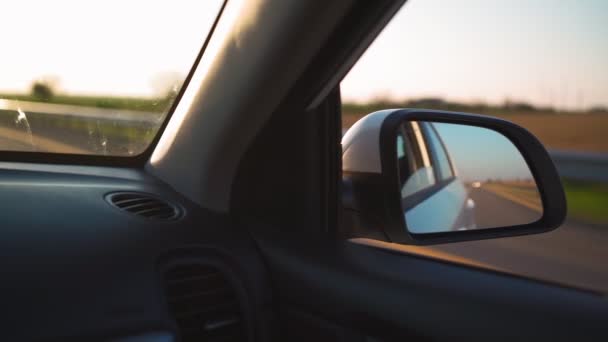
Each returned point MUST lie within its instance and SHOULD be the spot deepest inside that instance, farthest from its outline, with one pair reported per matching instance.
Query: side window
(539, 64)
(438, 153)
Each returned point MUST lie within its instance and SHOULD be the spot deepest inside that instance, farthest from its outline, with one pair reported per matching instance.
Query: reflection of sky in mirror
(482, 154)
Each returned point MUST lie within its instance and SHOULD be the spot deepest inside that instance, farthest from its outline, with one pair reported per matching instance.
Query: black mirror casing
(376, 199)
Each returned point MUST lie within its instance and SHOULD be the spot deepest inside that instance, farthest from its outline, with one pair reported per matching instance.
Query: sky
(547, 52)
(110, 47)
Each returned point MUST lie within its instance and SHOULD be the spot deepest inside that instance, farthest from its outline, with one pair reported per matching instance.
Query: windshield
(94, 77)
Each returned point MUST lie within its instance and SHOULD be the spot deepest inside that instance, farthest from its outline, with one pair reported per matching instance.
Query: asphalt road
(12, 139)
(574, 254)
(13, 144)
(494, 211)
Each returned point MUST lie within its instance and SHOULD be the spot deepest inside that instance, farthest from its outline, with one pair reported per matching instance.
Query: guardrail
(584, 166)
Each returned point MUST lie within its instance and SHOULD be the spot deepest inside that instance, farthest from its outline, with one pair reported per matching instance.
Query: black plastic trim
(535, 155)
(445, 150)
(391, 295)
(225, 265)
(178, 210)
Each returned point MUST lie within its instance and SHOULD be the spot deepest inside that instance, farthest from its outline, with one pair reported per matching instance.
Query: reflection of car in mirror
(429, 181)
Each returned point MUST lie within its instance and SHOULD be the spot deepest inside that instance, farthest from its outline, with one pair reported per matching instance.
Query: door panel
(387, 294)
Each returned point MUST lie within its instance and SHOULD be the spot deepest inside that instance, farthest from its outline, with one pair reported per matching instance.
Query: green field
(587, 201)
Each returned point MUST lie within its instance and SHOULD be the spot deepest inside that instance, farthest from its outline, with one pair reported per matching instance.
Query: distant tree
(429, 102)
(598, 109)
(545, 109)
(518, 106)
(42, 90)
(523, 106)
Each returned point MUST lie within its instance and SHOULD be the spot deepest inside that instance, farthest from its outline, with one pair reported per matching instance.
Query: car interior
(233, 224)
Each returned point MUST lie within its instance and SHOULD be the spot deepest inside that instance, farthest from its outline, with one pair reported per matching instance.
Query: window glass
(440, 157)
(94, 77)
(540, 64)
(415, 168)
(400, 147)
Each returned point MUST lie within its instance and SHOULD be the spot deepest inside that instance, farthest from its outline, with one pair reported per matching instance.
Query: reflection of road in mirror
(505, 203)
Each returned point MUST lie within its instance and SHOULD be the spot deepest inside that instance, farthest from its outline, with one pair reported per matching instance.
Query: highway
(574, 254)
(12, 139)
(494, 211)
(9, 144)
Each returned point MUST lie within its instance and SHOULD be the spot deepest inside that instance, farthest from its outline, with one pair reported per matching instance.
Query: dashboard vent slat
(144, 205)
(204, 304)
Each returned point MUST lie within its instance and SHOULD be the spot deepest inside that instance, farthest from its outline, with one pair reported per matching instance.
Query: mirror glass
(459, 177)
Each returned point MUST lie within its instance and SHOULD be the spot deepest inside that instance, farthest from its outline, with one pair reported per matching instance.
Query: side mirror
(425, 177)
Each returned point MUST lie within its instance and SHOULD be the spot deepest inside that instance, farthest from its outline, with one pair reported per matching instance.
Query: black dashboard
(76, 267)
(79, 264)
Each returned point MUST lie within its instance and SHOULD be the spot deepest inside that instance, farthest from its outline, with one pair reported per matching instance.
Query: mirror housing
(372, 188)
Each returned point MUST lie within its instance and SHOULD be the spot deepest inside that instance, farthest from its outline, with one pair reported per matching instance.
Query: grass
(587, 201)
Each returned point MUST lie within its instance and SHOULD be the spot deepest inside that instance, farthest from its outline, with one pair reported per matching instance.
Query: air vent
(204, 304)
(144, 205)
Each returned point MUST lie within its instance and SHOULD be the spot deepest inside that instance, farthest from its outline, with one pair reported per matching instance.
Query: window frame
(429, 129)
(440, 183)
